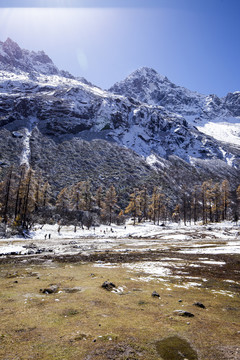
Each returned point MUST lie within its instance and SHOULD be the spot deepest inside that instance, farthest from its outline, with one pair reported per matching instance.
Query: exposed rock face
(232, 102)
(12, 57)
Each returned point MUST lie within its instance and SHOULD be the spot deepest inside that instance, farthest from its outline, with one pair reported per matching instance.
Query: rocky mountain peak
(41, 57)
(148, 74)
(15, 59)
(12, 49)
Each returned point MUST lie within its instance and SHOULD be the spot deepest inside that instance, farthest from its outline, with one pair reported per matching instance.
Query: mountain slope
(49, 118)
(64, 108)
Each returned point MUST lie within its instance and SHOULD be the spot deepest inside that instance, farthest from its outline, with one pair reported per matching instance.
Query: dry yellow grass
(92, 323)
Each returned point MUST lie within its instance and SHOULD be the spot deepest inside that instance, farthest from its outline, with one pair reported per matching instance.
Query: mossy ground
(92, 323)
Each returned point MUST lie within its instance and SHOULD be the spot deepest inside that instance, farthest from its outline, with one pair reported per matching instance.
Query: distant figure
(125, 227)
(49, 236)
(45, 236)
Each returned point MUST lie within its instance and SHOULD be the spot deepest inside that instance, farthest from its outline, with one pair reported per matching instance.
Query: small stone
(155, 294)
(180, 300)
(198, 304)
(183, 313)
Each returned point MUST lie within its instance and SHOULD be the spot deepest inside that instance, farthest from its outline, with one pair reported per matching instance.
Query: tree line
(26, 198)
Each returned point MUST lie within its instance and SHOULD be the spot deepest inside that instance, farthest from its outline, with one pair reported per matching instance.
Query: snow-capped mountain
(146, 113)
(217, 117)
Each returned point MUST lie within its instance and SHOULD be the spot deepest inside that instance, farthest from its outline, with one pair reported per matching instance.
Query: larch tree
(217, 201)
(134, 206)
(99, 197)
(5, 188)
(46, 194)
(176, 213)
(81, 197)
(109, 204)
(144, 203)
(206, 199)
(157, 206)
(195, 198)
(225, 189)
(237, 212)
(63, 200)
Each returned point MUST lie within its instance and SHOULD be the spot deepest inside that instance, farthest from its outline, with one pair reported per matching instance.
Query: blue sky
(195, 43)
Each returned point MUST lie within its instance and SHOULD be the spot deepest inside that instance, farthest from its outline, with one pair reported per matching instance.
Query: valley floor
(194, 269)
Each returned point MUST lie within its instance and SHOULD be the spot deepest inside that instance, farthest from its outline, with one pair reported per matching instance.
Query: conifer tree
(110, 204)
(237, 213)
(5, 189)
(176, 213)
(46, 194)
(144, 203)
(206, 197)
(225, 189)
(29, 200)
(63, 200)
(153, 206)
(99, 197)
(217, 203)
(157, 206)
(134, 206)
(195, 202)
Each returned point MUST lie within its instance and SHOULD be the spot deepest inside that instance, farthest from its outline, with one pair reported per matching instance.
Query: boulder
(50, 290)
(108, 285)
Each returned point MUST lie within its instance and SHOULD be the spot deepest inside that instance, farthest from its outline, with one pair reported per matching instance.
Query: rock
(17, 134)
(50, 290)
(199, 305)
(155, 294)
(12, 275)
(183, 313)
(30, 246)
(72, 290)
(108, 285)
